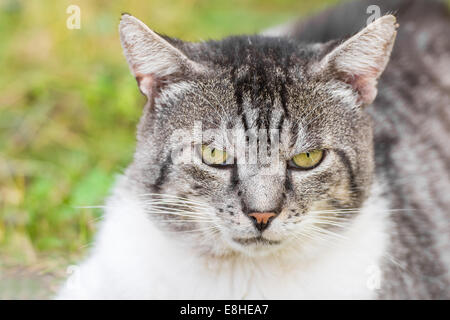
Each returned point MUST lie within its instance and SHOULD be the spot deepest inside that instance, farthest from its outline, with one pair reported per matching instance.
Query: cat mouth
(256, 240)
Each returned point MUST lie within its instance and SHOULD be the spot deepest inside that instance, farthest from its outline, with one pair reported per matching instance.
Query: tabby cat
(283, 165)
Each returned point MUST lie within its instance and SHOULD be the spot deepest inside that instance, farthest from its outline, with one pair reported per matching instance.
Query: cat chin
(255, 247)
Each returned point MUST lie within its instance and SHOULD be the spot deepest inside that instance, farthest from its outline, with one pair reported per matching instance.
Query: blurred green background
(68, 112)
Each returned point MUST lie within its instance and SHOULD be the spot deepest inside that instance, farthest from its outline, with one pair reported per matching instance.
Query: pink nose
(262, 219)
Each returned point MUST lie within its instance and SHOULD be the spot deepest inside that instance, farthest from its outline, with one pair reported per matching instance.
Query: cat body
(368, 220)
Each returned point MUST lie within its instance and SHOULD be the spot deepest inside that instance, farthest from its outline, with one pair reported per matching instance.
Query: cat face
(254, 144)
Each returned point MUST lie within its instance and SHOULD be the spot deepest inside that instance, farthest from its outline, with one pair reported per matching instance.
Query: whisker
(328, 232)
(169, 197)
(175, 205)
(193, 231)
(90, 207)
(199, 218)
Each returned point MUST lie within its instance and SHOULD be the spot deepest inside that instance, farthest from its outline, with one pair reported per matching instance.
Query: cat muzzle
(262, 219)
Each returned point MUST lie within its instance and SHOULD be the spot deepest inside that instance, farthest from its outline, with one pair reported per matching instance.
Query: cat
(353, 202)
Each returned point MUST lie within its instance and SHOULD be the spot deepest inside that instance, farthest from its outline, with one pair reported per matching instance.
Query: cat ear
(360, 60)
(150, 57)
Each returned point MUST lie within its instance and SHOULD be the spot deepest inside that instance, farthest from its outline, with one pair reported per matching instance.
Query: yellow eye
(213, 156)
(308, 160)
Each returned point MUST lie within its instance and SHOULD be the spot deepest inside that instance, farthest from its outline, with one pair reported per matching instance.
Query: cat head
(252, 144)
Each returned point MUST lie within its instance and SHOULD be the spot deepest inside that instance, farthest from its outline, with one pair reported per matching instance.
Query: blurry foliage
(69, 107)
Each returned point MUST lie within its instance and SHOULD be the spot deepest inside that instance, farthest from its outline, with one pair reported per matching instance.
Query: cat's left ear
(150, 57)
(360, 60)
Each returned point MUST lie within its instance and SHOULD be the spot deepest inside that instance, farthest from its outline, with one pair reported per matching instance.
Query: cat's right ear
(150, 57)
(361, 59)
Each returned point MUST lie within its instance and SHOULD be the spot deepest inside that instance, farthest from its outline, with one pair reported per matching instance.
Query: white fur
(131, 259)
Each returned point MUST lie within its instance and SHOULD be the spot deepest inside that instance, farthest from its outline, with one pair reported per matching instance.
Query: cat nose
(262, 219)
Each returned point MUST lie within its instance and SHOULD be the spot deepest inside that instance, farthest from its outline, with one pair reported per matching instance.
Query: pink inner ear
(146, 83)
(365, 84)
(366, 87)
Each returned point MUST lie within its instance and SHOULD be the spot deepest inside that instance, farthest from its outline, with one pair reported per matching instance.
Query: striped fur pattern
(411, 121)
(259, 84)
(378, 200)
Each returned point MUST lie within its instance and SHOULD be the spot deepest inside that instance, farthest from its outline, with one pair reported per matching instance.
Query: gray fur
(262, 83)
(412, 126)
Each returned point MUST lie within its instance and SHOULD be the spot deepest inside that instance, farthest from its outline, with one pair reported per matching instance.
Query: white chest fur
(132, 259)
